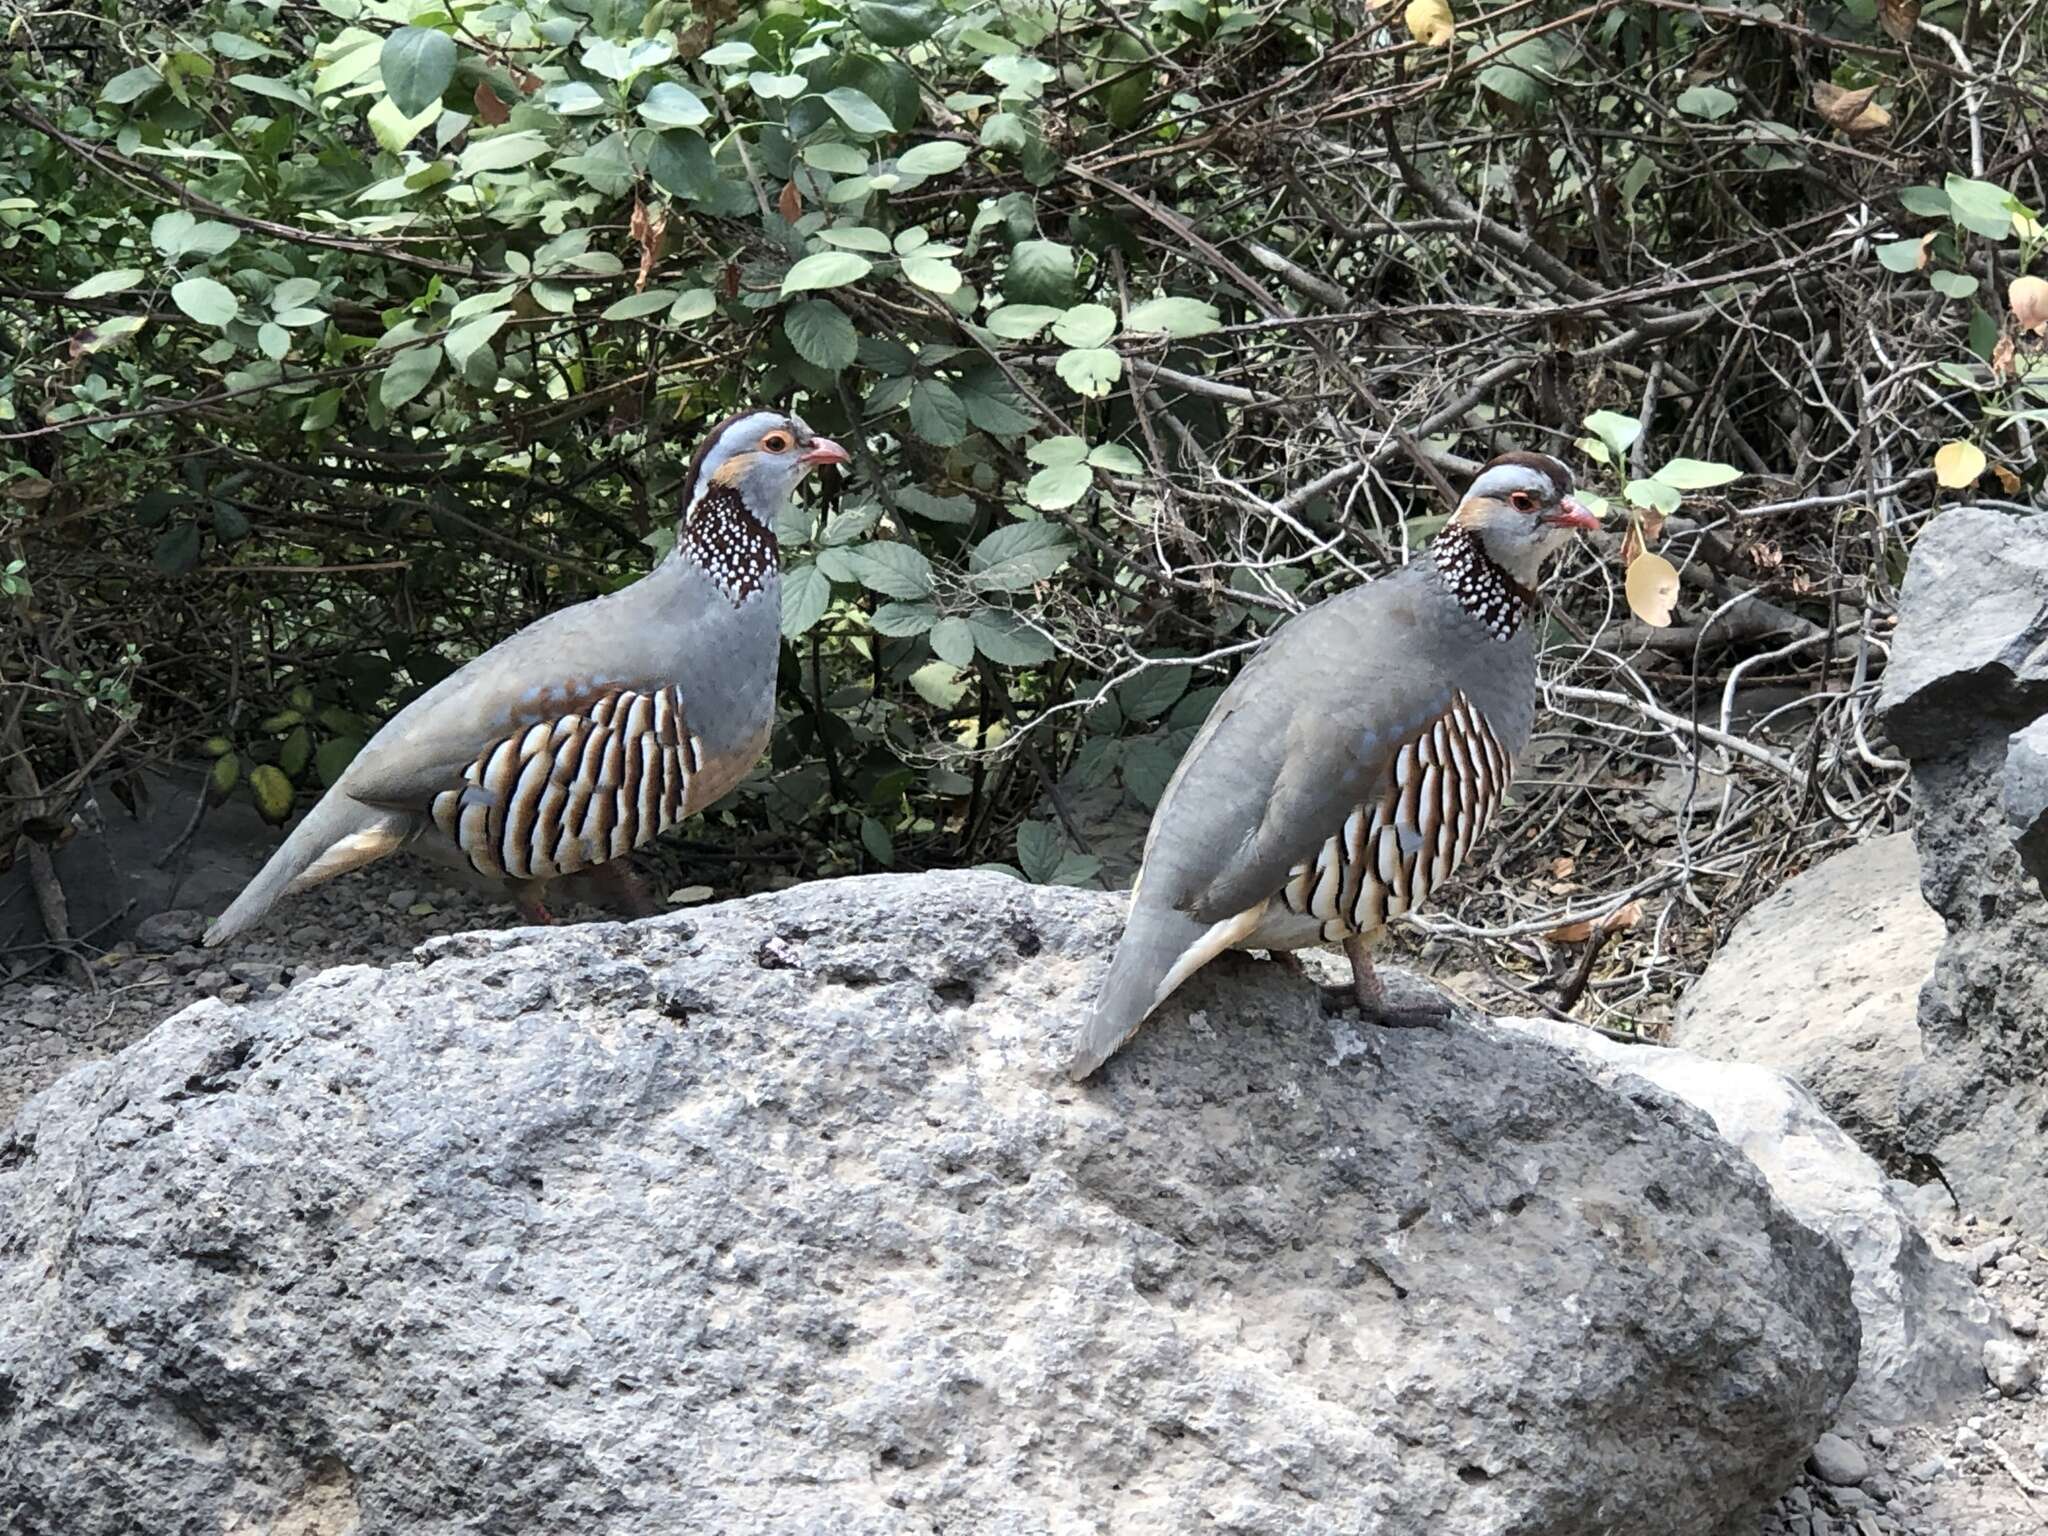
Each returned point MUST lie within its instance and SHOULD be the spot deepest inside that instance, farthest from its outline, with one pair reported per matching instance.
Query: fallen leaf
(790, 204)
(1958, 464)
(1652, 522)
(1562, 866)
(2027, 298)
(1850, 111)
(1898, 18)
(1571, 933)
(488, 107)
(1926, 251)
(1652, 587)
(1622, 918)
(2002, 364)
(690, 895)
(527, 80)
(2007, 479)
(1631, 547)
(1430, 23)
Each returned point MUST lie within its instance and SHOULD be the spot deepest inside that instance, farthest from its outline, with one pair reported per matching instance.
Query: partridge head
(1352, 766)
(583, 736)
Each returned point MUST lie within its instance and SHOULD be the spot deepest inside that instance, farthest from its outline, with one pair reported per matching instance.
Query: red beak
(823, 451)
(1570, 514)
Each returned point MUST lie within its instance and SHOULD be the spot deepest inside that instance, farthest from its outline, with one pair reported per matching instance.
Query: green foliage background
(345, 338)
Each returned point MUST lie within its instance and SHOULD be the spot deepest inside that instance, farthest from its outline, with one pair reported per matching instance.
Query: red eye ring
(1523, 501)
(775, 442)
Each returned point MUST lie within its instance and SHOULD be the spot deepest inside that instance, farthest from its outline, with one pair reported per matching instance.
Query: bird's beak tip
(824, 451)
(1571, 513)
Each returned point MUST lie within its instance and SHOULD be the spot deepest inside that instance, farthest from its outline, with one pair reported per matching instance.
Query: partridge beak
(823, 451)
(1570, 514)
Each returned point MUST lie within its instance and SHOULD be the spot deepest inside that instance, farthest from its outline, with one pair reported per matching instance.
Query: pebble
(162, 931)
(1880, 1437)
(2010, 1366)
(210, 980)
(401, 898)
(1837, 1461)
(2022, 1320)
(1933, 1469)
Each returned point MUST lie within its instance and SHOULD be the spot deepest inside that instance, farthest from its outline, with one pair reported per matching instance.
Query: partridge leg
(614, 885)
(1371, 994)
(525, 896)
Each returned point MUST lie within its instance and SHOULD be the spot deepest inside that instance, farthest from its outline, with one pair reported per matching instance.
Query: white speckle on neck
(728, 544)
(1481, 587)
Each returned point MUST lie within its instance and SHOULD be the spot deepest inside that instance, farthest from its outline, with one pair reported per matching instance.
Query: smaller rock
(1837, 1461)
(2013, 1263)
(166, 931)
(258, 973)
(2022, 1319)
(237, 993)
(2010, 1366)
(1932, 1470)
(1968, 1440)
(186, 961)
(1880, 1437)
(210, 980)
(401, 898)
(1849, 1500)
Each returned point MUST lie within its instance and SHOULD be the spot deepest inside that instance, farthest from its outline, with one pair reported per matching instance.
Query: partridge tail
(338, 834)
(1160, 949)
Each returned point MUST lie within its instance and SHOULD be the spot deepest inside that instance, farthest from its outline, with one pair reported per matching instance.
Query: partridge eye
(1523, 501)
(776, 442)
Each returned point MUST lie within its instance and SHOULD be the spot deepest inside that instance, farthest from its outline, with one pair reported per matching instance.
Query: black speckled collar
(1482, 588)
(727, 543)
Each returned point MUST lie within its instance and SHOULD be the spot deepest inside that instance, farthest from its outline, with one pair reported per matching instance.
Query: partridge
(1353, 764)
(592, 730)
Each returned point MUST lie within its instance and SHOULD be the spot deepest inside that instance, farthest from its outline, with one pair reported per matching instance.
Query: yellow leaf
(1652, 587)
(1958, 464)
(2027, 298)
(1430, 23)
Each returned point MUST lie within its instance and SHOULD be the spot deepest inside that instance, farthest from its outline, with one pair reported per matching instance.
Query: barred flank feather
(566, 794)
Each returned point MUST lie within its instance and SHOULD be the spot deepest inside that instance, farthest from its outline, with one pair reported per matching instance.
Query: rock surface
(2026, 797)
(1822, 981)
(776, 1217)
(1924, 1327)
(1969, 667)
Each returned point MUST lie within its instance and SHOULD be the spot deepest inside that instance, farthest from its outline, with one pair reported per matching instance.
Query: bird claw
(1433, 1014)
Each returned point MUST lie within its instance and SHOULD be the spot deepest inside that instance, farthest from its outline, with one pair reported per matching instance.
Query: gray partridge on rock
(592, 730)
(1352, 766)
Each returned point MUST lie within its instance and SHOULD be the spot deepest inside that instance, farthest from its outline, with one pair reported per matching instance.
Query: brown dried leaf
(2002, 365)
(791, 203)
(488, 107)
(1571, 933)
(526, 80)
(1850, 111)
(1653, 524)
(1631, 546)
(1652, 587)
(1562, 866)
(732, 279)
(1622, 918)
(1926, 251)
(650, 229)
(2007, 479)
(1618, 921)
(1898, 18)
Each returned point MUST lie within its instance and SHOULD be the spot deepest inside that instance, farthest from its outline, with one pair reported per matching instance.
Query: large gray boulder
(1925, 1324)
(1969, 668)
(777, 1217)
(1821, 981)
(2026, 797)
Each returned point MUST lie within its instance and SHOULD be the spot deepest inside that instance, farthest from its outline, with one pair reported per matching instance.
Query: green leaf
(1040, 272)
(680, 162)
(393, 130)
(1148, 768)
(1021, 322)
(953, 640)
(897, 25)
(177, 551)
(1039, 851)
(575, 98)
(100, 284)
(773, 87)
(637, 306)
(875, 838)
(1065, 449)
(1927, 202)
(1983, 332)
(205, 301)
(179, 234)
(468, 338)
(1076, 869)
(669, 105)
(856, 237)
(841, 160)
(272, 792)
(1523, 74)
(1007, 640)
(131, 85)
(1954, 285)
(939, 509)
(938, 683)
(1696, 474)
(1153, 691)
(1616, 431)
(904, 621)
(693, 305)
(1980, 207)
(1017, 557)
(1900, 255)
(933, 274)
(933, 159)
(728, 55)
(806, 594)
(411, 371)
(1653, 493)
(1086, 325)
(622, 61)
(821, 334)
(992, 404)
(1174, 317)
(1707, 101)
(892, 569)
(502, 152)
(1117, 459)
(332, 757)
(937, 414)
(1090, 371)
(417, 63)
(825, 269)
(858, 111)
(276, 90)
(273, 340)
(1058, 485)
